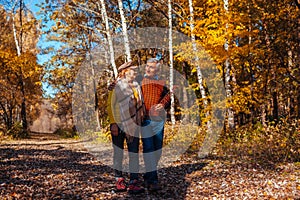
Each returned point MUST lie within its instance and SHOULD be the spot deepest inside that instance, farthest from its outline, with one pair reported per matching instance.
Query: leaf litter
(56, 168)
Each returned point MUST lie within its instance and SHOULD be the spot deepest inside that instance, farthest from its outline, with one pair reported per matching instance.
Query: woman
(126, 111)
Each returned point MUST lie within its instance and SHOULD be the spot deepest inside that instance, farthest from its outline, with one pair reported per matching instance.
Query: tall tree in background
(172, 109)
(109, 39)
(75, 31)
(200, 77)
(124, 31)
(228, 76)
(298, 56)
(262, 57)
(19, 45)
(20, 75)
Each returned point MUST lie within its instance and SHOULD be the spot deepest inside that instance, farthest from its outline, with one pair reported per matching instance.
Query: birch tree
(19, 43)
(111, 54)
(109, 39)
(172, 109)
(227, 71)
(124, 30)
(205, 148)
(20, 74)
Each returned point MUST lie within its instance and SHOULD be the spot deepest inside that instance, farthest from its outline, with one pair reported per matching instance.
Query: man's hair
(152, 60)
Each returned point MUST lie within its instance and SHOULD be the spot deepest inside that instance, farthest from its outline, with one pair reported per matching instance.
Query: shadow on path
(173, 181)
(51, 171)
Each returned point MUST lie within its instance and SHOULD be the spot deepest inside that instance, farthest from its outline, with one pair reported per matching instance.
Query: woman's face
(130, 74)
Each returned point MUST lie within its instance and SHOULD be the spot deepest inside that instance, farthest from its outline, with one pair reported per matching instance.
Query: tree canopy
(254, 45)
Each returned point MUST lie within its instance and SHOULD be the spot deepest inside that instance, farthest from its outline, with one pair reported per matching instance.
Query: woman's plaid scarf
(131, 108)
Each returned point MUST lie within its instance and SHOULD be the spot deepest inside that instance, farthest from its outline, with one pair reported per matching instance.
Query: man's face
(151, 69)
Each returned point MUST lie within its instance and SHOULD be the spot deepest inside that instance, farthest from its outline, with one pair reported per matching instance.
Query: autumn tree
(258, 64)
(20, 74)
(79, 27)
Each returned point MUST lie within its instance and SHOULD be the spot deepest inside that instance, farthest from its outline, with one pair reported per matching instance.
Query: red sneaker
(121, 185)
(134, 187)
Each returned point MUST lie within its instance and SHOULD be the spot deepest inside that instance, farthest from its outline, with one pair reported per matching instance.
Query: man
(126, 110)
(156, 99)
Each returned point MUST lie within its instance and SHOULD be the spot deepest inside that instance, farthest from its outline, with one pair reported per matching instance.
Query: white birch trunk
(172, 109)
(15, 36)
(228, 88)
(124, 31)
(18, 44)
(109, 39)
(194, 46)
(206, 146)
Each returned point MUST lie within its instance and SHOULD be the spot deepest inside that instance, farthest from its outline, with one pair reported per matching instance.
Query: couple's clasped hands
(156, 109)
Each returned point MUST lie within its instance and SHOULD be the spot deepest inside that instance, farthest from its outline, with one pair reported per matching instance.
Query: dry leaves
(62, 169)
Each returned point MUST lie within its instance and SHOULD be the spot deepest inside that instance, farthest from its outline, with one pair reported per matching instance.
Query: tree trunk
(124, 31)
(185, 98)
(229, 93)
(109, 39)
(21, 81)
(172, 110)
(298, 104)
(263, 115)
(252, 110)
(206, 147)
(298, 61)
(275, 107)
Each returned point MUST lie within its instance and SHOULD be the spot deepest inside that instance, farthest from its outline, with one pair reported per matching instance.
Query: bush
(274, 143)
(66, 132)
(17, 132)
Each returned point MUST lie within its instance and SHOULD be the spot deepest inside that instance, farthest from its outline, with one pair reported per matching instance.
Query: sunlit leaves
(262, 46)
(20, 75)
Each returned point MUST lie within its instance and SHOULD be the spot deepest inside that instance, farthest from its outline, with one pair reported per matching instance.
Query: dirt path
(48, 167)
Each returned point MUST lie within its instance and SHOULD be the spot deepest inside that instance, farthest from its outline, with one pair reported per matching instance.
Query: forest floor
(49, 167)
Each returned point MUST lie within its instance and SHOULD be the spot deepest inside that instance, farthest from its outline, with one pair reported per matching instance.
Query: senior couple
(137, 110)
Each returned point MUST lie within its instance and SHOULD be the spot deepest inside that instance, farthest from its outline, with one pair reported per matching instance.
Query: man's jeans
(152, 137)
(133, 148)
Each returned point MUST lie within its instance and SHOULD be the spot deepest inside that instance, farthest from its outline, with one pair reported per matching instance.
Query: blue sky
(31, 4)
(42, 58)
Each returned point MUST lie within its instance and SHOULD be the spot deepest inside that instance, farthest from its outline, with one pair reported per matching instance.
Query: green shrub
(274, 143)
(66, 132)
(17, 132)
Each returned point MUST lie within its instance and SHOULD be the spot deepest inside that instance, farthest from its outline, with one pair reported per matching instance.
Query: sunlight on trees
(253, 44)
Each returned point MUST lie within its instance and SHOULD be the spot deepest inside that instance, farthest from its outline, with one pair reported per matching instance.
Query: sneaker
(134, 187)
(154, 187)
(121, 185)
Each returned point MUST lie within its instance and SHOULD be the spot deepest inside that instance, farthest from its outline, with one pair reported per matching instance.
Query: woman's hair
(122, 73)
